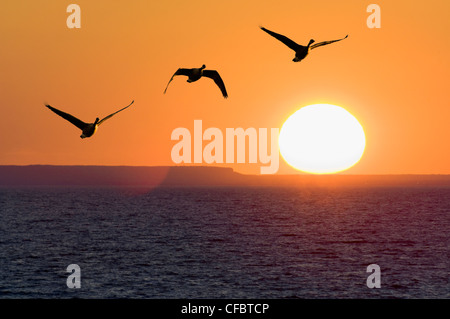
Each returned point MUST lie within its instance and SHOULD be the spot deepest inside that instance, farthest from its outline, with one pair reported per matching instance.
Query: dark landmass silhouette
(193, 176)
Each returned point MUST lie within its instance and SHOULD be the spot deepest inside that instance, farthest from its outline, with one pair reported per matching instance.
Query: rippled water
(224, 242)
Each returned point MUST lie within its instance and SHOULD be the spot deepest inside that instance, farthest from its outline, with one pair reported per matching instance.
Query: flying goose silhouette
(300, 51)
(196, 73)
(88, 128)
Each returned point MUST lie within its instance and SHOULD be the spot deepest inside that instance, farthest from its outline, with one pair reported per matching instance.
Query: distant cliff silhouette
(34, 175)
(193, 176)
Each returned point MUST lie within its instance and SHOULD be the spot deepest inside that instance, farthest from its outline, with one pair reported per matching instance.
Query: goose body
(87, 129)
(301, 51)
(196, 74)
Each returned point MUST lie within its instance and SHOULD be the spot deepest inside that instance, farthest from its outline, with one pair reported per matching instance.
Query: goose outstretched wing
(180, 71)
(72, 119)
(326, 42)
(291, 44)
(112, 114)
(212, 74)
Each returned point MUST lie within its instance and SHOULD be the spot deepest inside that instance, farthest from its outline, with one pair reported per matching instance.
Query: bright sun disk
(322, 139)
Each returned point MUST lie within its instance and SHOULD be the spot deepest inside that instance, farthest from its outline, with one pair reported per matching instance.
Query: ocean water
(254, 242)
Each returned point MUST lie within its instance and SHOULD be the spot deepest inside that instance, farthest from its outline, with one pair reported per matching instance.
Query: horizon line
(231, 168)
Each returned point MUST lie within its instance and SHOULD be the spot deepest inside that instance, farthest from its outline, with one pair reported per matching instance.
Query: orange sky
(393, 79)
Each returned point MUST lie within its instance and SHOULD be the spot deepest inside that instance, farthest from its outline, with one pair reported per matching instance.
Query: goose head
(311, 42)
(203, 66)
(96, 121)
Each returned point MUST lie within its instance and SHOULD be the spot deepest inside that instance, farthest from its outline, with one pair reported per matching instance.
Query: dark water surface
(224, 242)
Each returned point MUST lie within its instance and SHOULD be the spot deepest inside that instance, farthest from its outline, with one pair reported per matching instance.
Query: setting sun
(322, 139)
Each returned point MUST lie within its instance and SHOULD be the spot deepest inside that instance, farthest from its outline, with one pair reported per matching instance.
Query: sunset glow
(129, 50)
